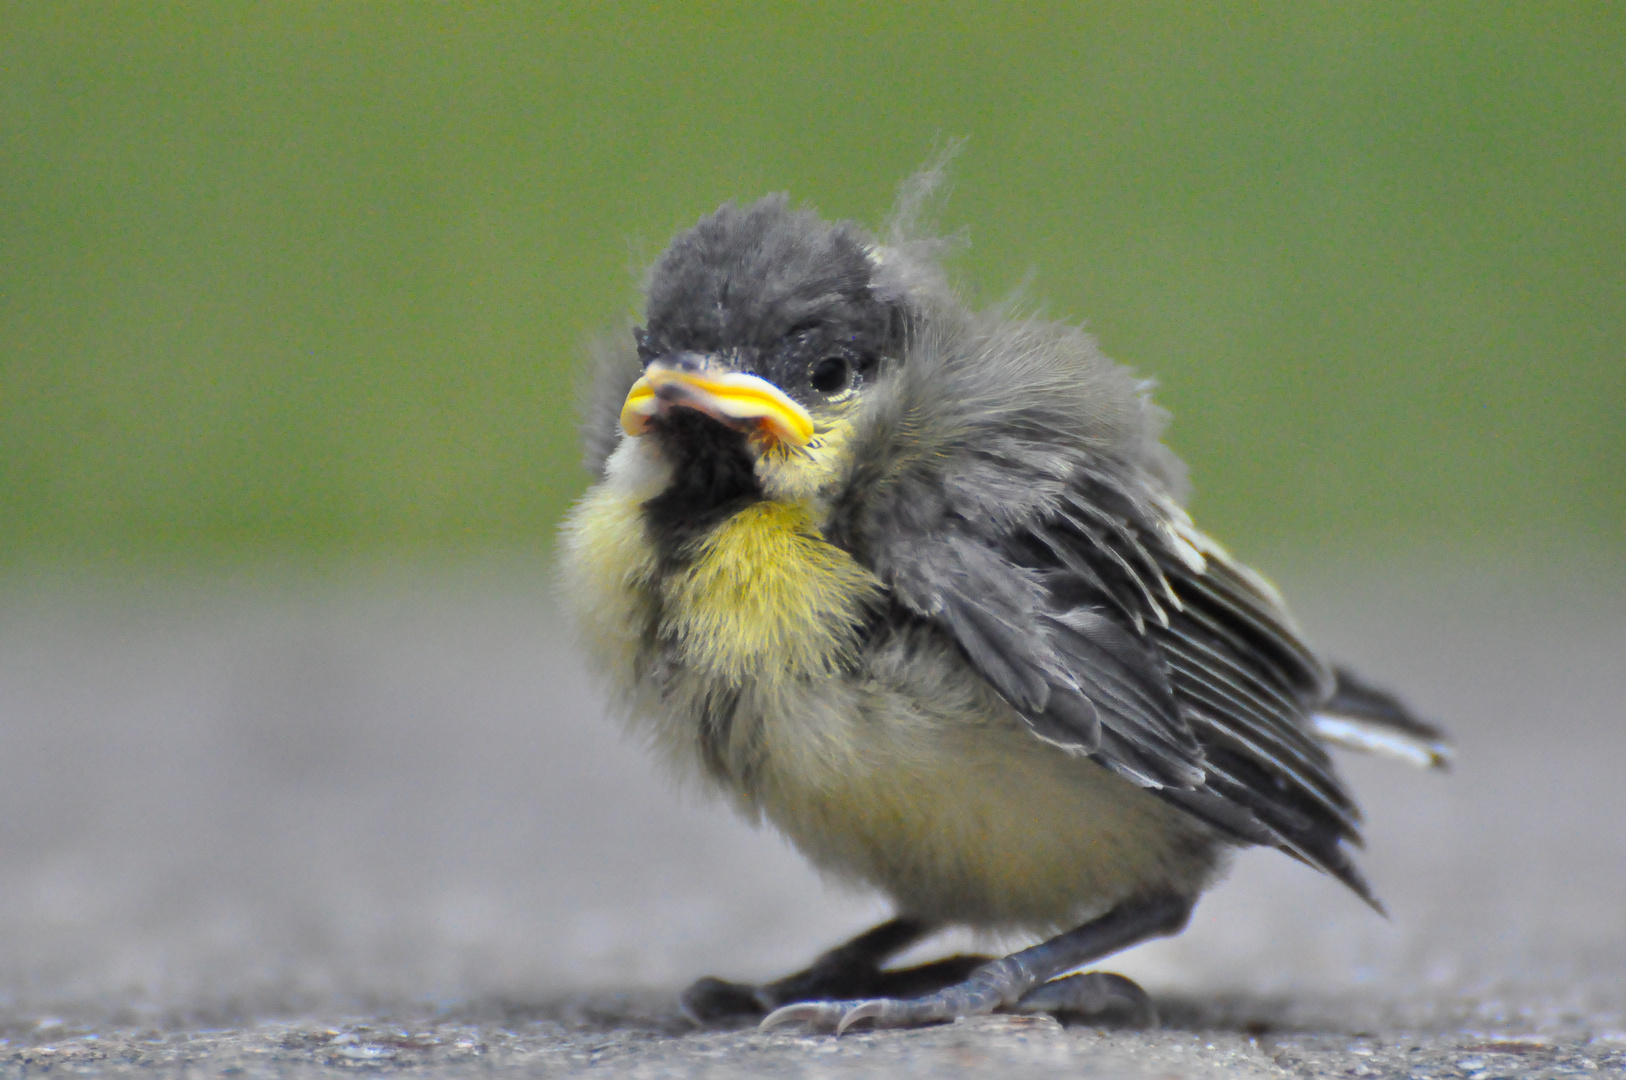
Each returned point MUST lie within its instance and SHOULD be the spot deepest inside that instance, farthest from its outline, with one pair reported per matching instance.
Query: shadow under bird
(913, 582)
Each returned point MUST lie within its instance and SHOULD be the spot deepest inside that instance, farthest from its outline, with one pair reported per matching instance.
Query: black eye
(830, 375)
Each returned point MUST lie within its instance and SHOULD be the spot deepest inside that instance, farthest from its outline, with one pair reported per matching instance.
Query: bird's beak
(730, 397)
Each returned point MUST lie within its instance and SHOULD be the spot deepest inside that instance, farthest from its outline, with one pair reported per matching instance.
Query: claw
(986, 990)
(864, 1010)
(815, 1014)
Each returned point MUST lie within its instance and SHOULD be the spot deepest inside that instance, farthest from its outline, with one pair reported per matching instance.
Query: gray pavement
(308, 825)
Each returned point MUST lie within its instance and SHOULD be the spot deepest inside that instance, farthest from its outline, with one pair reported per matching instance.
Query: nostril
(688, 361)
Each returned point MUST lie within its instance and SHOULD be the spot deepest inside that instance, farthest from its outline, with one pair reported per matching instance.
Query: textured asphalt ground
(309, 826)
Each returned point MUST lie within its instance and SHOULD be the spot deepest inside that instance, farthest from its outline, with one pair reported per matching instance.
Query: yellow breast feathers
(766, 597)
(763, 597)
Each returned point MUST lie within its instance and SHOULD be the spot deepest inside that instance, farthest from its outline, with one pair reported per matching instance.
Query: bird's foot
(711, 999)
(838, 1016)
(991, 988)
(1091, 996)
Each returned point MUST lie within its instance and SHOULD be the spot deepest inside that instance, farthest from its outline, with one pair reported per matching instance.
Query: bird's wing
(1008, 485)
(1117, 630)
(1248, 685)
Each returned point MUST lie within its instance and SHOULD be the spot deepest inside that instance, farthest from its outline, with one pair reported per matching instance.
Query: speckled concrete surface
(318, 826)
(587, 1036)
(626, 1043)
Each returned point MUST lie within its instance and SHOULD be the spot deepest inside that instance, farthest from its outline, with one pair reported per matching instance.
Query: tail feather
(1364, 717)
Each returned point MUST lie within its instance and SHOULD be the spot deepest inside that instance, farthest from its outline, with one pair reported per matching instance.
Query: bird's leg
(1006, 983)
(847, 971)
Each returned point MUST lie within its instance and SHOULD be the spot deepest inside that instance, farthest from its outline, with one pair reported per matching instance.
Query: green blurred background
(312, 281)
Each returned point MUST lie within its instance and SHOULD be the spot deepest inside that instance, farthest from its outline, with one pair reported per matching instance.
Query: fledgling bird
(913, 582)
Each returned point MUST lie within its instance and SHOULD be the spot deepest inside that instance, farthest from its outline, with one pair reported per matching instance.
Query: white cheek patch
(637, 469)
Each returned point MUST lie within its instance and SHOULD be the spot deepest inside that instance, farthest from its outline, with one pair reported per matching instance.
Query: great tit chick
(913, 583)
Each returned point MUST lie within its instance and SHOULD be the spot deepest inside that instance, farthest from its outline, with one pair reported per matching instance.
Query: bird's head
(765, 328)
(787, 357)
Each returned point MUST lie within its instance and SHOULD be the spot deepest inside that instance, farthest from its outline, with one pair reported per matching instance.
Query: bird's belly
(982, 824)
